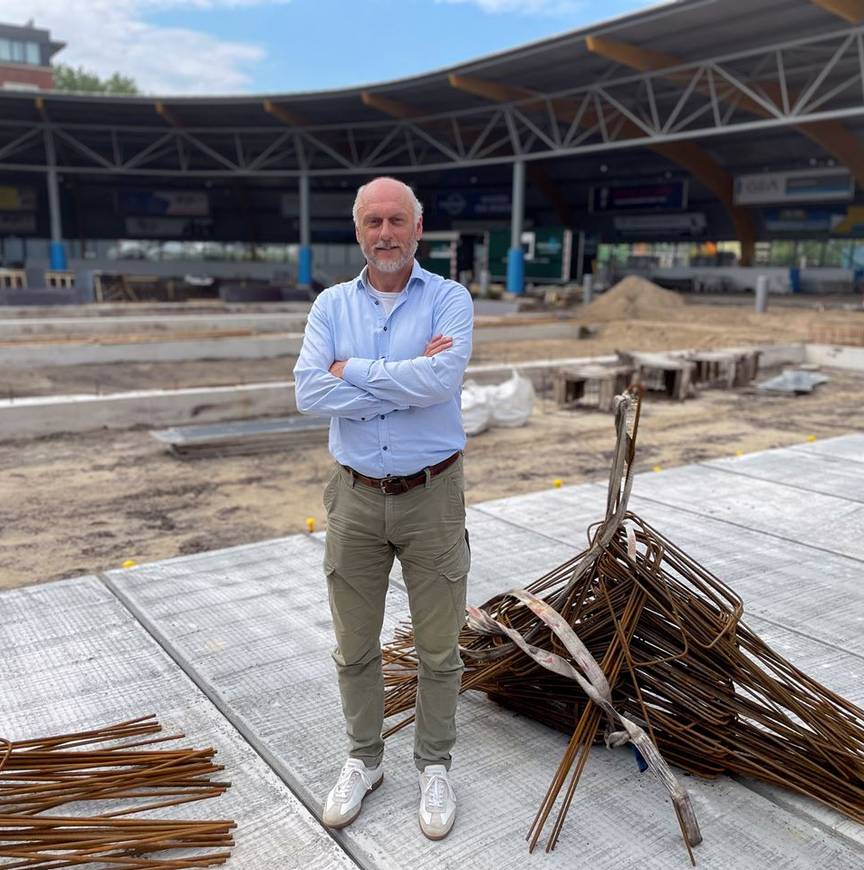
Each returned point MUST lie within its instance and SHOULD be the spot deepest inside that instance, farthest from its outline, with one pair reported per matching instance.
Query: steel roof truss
(493, 120)
(801, 104)
(263, 158)
(147, 153)
(446, 150)
(82, 148)
(20, 142)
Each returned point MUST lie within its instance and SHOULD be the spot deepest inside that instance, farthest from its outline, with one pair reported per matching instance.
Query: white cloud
(525, 7)
(107, 36)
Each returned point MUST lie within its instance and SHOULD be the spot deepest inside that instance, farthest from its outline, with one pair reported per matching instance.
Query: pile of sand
(634, 298)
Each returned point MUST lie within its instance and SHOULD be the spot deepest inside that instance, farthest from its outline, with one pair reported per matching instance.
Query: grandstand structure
(655, 126)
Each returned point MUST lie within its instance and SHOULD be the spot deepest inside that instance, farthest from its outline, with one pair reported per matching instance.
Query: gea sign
(809, 185)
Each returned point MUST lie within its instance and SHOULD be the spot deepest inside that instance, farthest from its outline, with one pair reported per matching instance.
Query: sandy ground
(78, 504)
(687, 326)
(83, 503)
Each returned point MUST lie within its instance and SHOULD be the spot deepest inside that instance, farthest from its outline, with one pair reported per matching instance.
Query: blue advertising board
(473, 204)
(163, 203)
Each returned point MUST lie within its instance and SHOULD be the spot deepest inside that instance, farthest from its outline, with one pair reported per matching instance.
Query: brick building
(25, 57)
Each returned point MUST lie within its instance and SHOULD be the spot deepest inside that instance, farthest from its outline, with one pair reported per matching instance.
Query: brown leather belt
(398, 485)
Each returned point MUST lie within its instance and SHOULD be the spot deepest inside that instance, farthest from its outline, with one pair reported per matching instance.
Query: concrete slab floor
(248, 635)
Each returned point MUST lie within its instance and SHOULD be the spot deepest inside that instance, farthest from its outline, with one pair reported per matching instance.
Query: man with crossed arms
(384, 356)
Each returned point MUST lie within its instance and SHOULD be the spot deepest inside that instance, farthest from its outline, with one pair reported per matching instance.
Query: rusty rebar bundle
(119, 773)
(634, 641)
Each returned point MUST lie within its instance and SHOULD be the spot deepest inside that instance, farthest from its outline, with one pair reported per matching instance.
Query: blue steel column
(304, 260)
(57, 258)
(516, 256)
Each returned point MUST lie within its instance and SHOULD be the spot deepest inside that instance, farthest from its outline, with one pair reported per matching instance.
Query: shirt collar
(418, 273)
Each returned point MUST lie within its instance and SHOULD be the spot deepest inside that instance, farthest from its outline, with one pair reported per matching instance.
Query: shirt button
(363, 419)
(384, 447)
(377, 302)
(382, 416)
(385, 329)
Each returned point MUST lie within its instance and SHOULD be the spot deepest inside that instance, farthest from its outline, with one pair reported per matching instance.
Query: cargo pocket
(455, 563)
(330, 490)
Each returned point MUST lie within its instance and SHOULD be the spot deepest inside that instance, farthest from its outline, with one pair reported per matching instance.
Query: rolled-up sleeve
(423, 381)
(318, 392)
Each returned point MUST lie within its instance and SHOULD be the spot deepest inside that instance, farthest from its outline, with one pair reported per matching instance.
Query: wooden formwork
(590, 384)
(13, 278)
(724, 368)
(661, 373)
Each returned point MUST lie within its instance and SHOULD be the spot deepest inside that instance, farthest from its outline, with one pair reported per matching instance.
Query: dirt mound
(634, 298)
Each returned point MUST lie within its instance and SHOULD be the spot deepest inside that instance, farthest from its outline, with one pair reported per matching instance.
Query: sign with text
(166, 227)
(467, 204)
(17, 222)
(802, 220)
(17, 198)
(164, 203)
(668, 196)
(686, 226)
(809, 185)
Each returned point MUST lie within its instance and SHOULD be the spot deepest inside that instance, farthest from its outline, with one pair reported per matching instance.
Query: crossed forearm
(436, 345)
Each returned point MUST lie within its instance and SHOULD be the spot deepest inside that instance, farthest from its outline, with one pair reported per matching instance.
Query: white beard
(391, 265)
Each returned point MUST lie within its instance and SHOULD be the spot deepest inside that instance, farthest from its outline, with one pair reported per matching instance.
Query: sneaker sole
(344, 824)
(436, 837)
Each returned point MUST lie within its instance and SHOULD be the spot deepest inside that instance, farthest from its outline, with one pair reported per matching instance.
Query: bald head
(386, 189)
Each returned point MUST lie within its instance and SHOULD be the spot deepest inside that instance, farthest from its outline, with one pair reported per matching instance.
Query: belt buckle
(387, 484)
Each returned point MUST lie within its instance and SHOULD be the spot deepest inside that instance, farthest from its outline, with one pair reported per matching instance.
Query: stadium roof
(691, 30)
(701, 88)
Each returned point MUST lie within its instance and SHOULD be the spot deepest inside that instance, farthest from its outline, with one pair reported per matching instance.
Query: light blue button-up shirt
(395, 411)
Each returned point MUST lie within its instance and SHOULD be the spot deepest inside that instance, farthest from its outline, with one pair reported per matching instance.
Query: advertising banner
(157, 203)
(802, 220)
(809, 185)
(473, 204)
(668, 196)
(548, 253)
(687, 225)
(164, 227)
(17, 222)
(17, 198)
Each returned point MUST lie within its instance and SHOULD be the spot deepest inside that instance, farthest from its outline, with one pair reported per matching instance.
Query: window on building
(16, 51)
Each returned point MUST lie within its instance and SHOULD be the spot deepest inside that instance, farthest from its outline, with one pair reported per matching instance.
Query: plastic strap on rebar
(596, 687)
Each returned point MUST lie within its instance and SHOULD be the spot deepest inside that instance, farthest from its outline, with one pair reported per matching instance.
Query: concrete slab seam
(697, 513)
(524, 528)
(236, 721)
(797, 631)
(775, 796)
(735, 471)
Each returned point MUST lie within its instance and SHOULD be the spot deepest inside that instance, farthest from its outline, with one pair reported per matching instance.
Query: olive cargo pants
(425, 528)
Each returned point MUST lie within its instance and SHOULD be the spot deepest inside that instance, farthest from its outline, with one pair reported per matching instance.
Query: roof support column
(516, 256)
(57, 257)
(304, 259)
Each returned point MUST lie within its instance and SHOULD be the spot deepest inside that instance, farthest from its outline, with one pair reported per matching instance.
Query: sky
(279, 46)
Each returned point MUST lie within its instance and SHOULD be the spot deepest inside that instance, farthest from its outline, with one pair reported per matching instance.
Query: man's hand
(437, 344)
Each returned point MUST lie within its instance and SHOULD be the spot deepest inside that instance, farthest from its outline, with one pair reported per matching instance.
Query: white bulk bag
(512, 401)
(476, 411)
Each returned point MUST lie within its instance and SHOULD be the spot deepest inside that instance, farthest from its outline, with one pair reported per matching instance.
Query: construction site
(664, 468)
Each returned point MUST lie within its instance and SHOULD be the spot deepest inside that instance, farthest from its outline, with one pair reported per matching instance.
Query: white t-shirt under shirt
(387, 300)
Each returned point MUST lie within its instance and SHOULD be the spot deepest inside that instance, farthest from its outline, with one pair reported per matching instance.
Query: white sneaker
(437, 802)
(345, 800)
